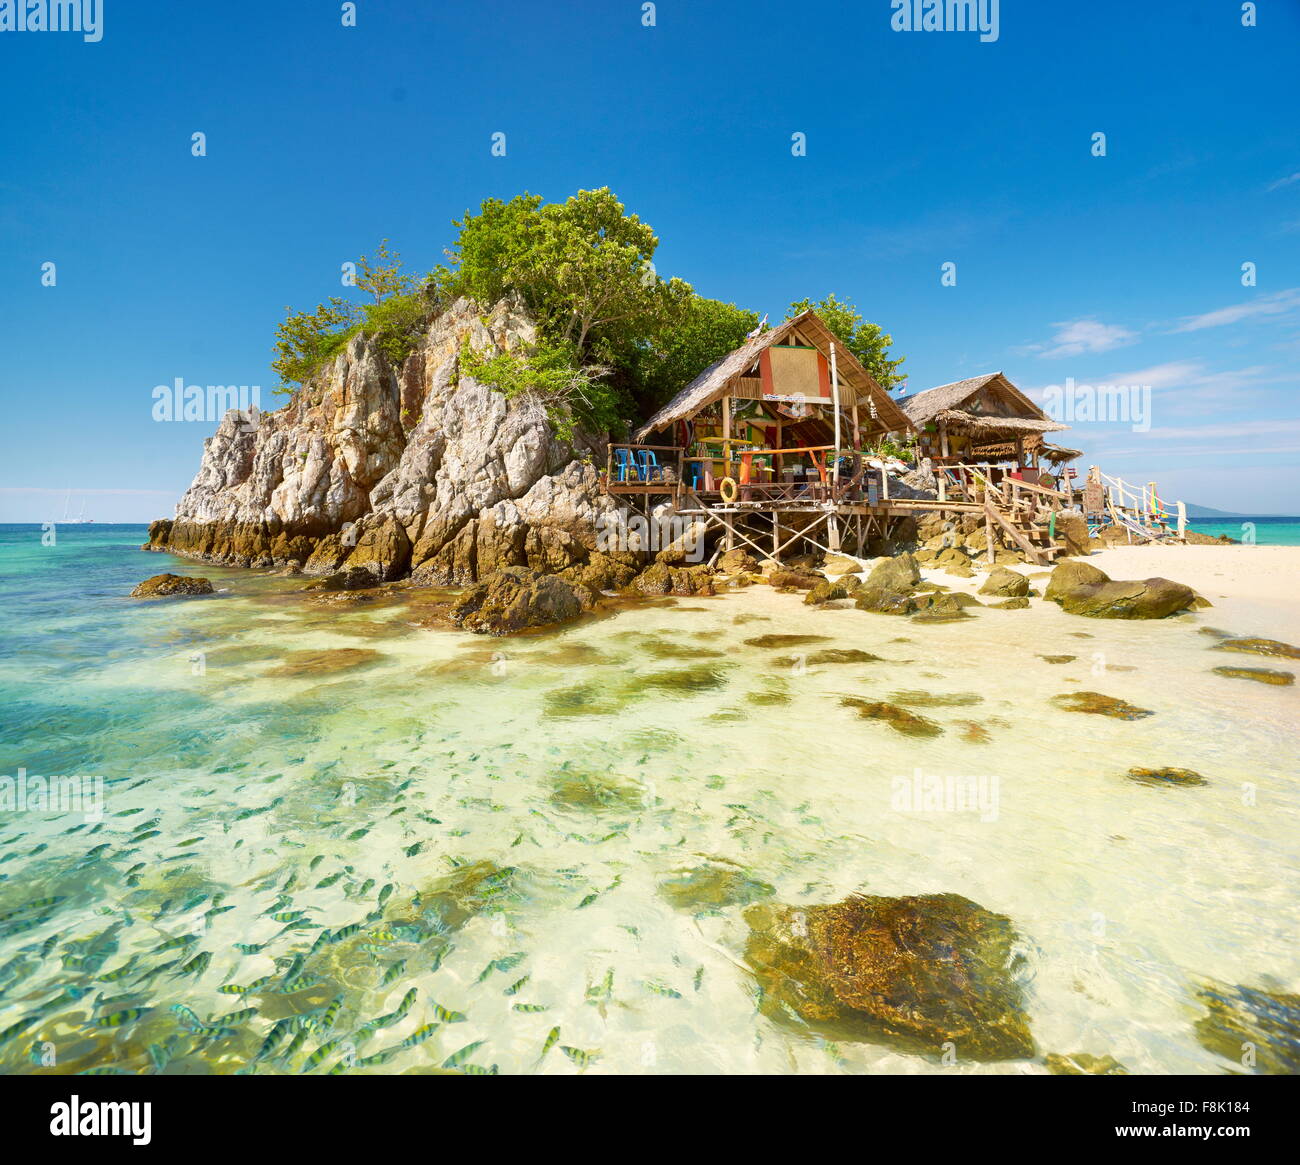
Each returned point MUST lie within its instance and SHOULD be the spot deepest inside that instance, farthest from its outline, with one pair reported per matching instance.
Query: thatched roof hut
(977, 416)
(744, 374)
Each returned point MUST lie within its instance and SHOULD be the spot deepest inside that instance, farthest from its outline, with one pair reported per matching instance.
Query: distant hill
(1194, 511)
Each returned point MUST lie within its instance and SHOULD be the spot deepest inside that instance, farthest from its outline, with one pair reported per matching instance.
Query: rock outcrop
(418, 471)
(163, 585)
(1082, 589)
(516, 599)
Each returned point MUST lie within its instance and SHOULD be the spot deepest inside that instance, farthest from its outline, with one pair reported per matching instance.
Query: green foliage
(690, 333)
(305, 340)
(383, 278)
(583, 267)
(571, 393)
(865, 340)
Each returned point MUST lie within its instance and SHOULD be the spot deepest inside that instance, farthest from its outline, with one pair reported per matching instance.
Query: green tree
(383, 277)
(583, 266)
(305, 340)
(690, 333)
(865, 340)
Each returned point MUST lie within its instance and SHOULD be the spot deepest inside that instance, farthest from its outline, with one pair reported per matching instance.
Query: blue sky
(922, 149)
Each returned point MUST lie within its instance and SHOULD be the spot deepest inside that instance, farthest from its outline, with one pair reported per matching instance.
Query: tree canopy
(585, 270)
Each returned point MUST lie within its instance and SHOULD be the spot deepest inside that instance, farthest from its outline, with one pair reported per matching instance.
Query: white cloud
(1080, 337)
(1284, 181)
(1267, 305)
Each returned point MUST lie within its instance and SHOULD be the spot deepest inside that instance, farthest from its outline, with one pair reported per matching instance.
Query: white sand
(1257, 584)
(1255, 589)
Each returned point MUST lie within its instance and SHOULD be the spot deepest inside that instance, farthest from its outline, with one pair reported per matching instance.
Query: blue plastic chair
(647, 464)
(625, 465)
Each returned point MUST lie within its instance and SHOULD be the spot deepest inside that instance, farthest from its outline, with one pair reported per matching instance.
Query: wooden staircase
(1025, 527)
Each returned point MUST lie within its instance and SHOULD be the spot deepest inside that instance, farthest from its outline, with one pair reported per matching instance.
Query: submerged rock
(163, 585)
(516, 599)
(899, 719)
(973, 732)
(1083, 1064)
(1059, 658)
(840, 655)
(712, 887)
(1159, 777)
(324, 663)
(595, 792)
(785, 640)
(1262, 675)
(1017, 604)
(1259, 647)
(589, 699)
(929, 700)
(699, 677)
(916, 973)
(1257, 1029)
(1082, 589)
(1094, 703)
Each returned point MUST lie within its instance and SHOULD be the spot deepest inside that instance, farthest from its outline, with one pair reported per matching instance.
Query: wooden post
(726, 435)
(835, 403)
(988, 531)
(943, 439)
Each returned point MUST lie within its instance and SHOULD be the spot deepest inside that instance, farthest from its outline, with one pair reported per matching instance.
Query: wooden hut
(981, 422)
(770, 418)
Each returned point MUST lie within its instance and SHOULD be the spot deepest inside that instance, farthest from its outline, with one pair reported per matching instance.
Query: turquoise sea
(315, 837)
(1264, 531)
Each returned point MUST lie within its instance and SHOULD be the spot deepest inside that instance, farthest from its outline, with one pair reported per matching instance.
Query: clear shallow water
(526, 800)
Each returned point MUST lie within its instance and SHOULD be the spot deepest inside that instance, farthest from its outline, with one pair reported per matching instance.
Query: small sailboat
(80, 519)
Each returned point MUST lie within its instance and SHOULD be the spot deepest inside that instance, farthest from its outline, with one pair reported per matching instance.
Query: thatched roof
(1056, 454)
(713, 382)
(945, 404)
(988, 424)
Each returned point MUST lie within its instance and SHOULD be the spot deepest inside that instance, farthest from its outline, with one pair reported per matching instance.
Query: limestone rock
(1082, 589)
(1006, 583)
(162, 585)
(419, 469)
(662, 579)
(515, 599)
